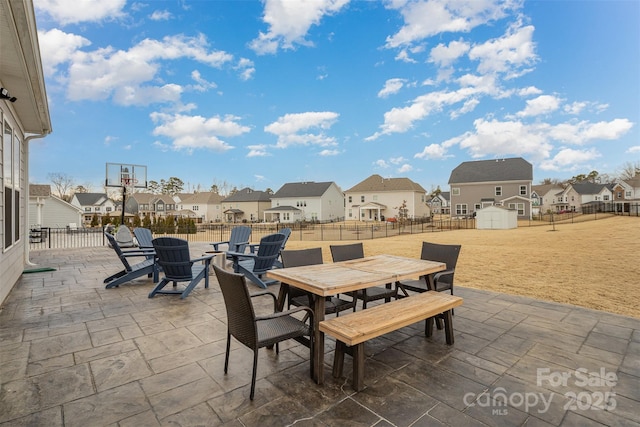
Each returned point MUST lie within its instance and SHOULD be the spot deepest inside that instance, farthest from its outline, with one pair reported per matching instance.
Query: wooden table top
(347, 276)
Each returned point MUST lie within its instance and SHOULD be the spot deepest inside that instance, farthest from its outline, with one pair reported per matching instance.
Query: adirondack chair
(147, 267)
(124, 237)
(238, 240)
(278, 262)
(253, 266)
(175, 260)
(144, 237)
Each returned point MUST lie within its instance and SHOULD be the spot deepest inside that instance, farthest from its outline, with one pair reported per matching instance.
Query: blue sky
(261, 93)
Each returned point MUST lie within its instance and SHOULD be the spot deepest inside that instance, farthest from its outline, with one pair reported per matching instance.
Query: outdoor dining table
(323, 280)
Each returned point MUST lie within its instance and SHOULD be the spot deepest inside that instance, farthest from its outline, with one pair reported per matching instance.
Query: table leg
(318, 345)
(448, 326)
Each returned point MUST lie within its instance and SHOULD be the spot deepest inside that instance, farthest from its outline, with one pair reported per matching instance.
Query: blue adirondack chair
(175, 260)
(253, 266)
(144, 237)
(238, 240)
(278, 262)
(147, 267)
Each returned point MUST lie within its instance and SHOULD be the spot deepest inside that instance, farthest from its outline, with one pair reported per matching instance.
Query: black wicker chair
(440, 281)
(299, 297)
(355, 251)
(258, 331)
(175, 260)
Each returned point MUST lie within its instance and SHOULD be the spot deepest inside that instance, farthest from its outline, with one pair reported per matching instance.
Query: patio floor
(75, 354)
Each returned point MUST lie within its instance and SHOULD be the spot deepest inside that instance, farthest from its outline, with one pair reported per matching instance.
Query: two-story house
(586, 197)
(205, 206)
(154, 205)
(544, 198)
(626, 195)
(440, 203)
(98, 204)
(503, 182)
(377, 198)
(306, 201)
(246, 205)
(48, 210)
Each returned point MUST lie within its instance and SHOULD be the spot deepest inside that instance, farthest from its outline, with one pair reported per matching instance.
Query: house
(585, 197)
(91, 204)
(377, 198)
(24, 114)
(440, 203)
(154, 205)
(204, 206)
(626, 195)
(502, 182)
(306, 201)
(544, 197)
(245, 205)
(48, 210)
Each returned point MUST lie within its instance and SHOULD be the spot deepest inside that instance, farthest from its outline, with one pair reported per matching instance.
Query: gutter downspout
(28, 139)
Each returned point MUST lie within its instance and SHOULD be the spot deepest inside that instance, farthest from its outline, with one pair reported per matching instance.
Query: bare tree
(629, 170)
(63, 183)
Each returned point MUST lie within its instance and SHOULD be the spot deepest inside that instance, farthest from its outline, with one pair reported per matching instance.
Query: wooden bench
(354, 329)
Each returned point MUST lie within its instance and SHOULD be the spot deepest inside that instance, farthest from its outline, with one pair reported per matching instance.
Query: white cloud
(126, 75)
(290, 129)
(246, 68)
(507, 54)
(58, 47)
(289, 22)
(391, 86)
(583, 132)
(397, 160)
(633, 150)
(569, 159)
(405, 168)
(444, 56)
(328, 153)
(528, 91)
(575, 107)
(73, 12)
(544, 104)
(193, 132)
(259, 150)
(160, 15)
(433, 151)
(202, 84)
(427, 18)
(381, 164)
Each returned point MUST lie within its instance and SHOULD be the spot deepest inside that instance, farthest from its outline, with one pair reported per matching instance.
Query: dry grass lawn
(594, 264)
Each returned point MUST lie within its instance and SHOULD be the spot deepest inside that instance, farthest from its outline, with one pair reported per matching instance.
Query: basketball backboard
(126, 175)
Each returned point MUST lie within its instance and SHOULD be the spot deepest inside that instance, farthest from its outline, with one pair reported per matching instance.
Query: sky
(261, 93)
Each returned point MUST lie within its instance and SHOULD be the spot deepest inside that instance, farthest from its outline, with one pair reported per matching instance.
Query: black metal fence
(57, 238)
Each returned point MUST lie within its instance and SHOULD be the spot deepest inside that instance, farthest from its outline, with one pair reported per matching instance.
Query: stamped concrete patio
(75, 354)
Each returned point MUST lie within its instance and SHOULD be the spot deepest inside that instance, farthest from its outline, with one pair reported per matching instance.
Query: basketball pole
(124, 199)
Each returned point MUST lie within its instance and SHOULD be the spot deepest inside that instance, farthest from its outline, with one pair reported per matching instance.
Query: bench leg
(338, 359)
(448, 326)
(358, 367)
(428, 327)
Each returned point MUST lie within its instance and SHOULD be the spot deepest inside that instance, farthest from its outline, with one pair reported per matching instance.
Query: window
(461, 209)
(350, 199)
(605, 197)
(87, 209)
(523, 190)
(627, 194)
(159, 207)
(170, 207)
(476, 206)
(455, 191)
(97, 208)
(108, 209)
(362, 199)
(350, 214)
(195, 207)
(498, 190)
(518, 206)
(375, 198)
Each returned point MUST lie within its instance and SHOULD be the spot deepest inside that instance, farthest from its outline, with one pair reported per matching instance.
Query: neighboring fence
(53, 238)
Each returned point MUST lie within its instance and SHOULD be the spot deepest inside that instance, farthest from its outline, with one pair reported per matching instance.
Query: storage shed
(496, 218)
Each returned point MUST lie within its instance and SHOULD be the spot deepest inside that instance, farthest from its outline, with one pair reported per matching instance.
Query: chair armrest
(138, 252)
(215, 244)
(261, 293)
(252, 248)
(202, 258)
(439, 274)
(288, 313)
(236, 246)
(236, 255)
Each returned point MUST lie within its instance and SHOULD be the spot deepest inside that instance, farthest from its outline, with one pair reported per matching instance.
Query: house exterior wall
(416, 204)
(328, 207)
(332, 204)
(471, 195)
(253, 211)
(52, 212)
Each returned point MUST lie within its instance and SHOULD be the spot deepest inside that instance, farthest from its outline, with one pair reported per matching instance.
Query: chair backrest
(144, 237)
(239, 235)
(298, 258)
(124, 237)
(240, 313)
(287, 232)
(174, 257)
(347, 252)
(268, 251)
(116, 247)
(442, 253)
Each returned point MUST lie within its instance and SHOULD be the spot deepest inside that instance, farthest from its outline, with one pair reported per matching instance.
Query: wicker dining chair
(255, 331)
(299, 297)
(355, 251)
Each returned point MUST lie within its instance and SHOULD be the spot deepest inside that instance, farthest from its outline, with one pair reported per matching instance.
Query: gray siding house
(246, 205)
(501, 182)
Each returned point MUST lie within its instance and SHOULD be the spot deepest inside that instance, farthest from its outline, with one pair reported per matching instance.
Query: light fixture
(4, 94)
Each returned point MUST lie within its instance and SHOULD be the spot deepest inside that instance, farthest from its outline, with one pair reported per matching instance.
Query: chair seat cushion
(272, 331)
(377, 292)
(415, 285)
